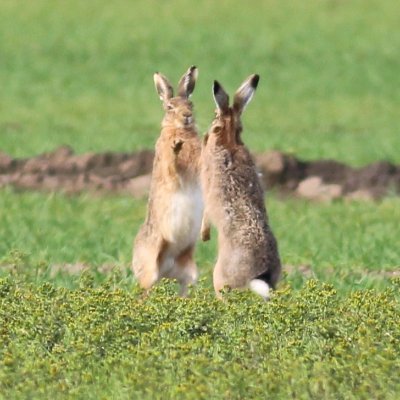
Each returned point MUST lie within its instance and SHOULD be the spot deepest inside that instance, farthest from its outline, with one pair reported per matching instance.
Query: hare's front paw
(177, 146)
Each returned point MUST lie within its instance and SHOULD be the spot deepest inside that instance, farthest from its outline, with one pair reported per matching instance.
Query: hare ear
(187, 82)
(221, 98)
(163, 87)
(245, 93)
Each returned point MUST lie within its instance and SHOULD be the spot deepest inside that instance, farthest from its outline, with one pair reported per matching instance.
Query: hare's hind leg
(146, 271)
(218, 280)
(146, 264)
(186, 270)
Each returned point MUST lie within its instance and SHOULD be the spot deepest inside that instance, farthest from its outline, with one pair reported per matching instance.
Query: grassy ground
(348, 244)
(80, 73)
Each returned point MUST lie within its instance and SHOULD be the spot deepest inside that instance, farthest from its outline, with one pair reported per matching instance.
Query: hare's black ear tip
(216, 86)
(194, 71)
(255, 80)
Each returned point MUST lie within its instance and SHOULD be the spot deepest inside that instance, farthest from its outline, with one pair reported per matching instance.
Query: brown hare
(165, 243)
(247, 249)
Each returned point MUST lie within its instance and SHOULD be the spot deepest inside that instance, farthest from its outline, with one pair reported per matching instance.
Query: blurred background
(80, 73)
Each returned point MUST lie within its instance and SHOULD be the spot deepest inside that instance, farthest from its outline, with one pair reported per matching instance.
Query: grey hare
(247, 249)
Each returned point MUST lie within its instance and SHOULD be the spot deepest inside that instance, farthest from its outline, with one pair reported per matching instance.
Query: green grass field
(80, 73)
(350, 245)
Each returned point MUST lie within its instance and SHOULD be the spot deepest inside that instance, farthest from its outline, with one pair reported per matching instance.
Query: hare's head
(227, 126)
(179, 109)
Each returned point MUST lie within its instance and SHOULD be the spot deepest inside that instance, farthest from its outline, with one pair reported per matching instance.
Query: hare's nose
(188, 117)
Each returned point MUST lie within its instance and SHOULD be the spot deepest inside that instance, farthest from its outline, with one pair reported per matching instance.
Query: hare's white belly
(182, 220)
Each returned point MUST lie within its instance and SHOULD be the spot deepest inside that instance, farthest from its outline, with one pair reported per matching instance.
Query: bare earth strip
(129, 173)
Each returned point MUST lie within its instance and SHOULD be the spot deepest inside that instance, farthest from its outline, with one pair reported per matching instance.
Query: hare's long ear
(163, 87)
(187, 82)
(221, 98)
(245, 93)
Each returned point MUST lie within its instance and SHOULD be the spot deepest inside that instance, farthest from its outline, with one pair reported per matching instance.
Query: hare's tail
(262, 284)
(260, 287)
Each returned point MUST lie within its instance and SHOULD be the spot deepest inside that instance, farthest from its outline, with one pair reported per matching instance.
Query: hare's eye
(217, 129)
(170, 107)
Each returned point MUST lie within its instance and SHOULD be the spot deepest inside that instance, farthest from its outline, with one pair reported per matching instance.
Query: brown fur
(165, 242)
(234, 200)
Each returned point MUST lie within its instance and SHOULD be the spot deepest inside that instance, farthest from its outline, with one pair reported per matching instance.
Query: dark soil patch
(130, 173)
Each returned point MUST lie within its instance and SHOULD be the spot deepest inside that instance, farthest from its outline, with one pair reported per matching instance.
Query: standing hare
(165, 243)
(234, 203)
